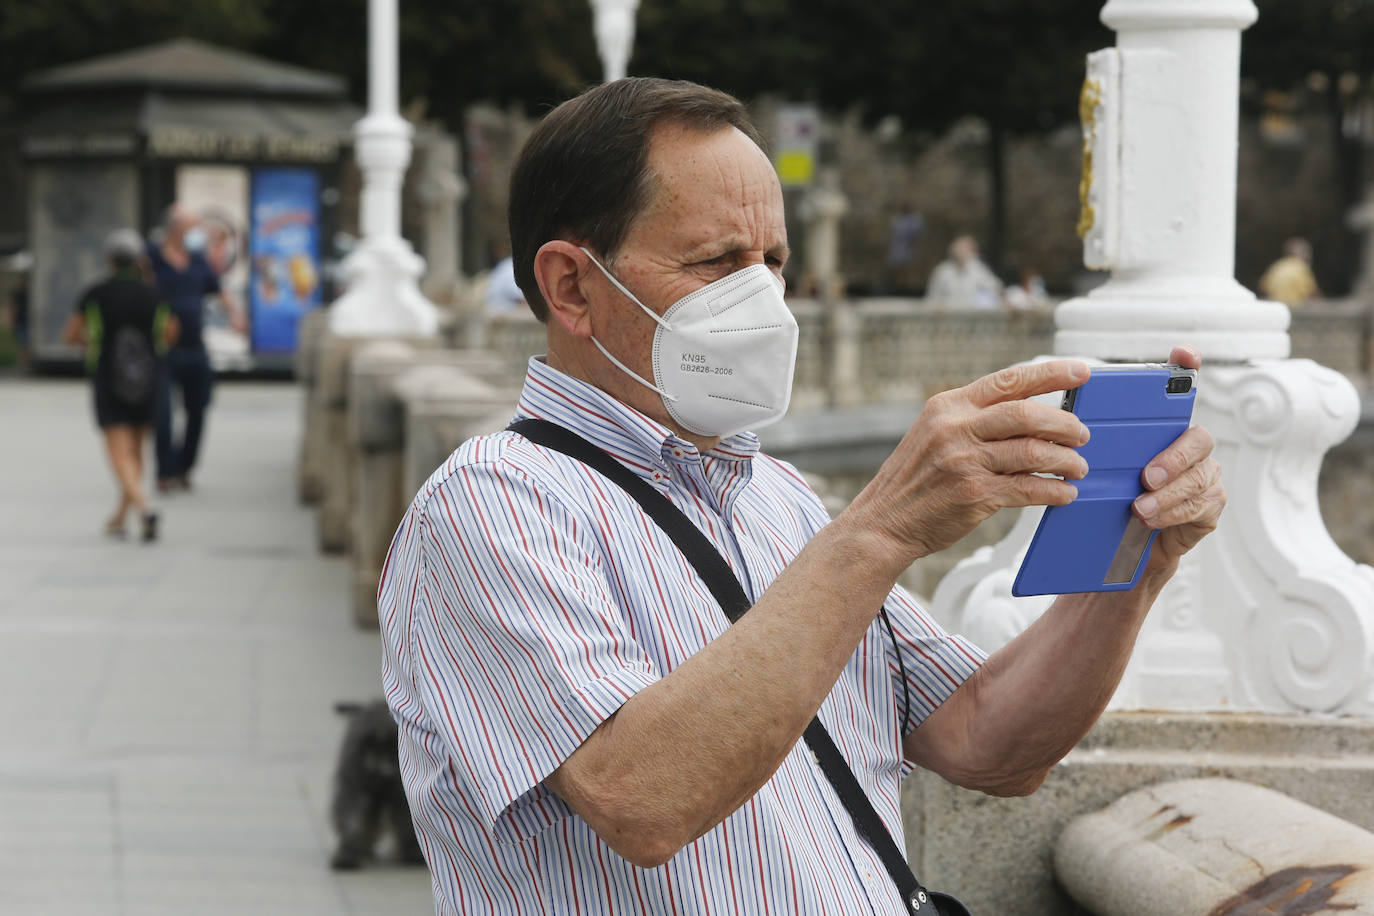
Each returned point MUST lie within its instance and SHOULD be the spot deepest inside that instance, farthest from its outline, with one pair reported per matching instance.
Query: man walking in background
(184, 278)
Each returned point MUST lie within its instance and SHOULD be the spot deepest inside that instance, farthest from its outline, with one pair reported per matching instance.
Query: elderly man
(581, 728)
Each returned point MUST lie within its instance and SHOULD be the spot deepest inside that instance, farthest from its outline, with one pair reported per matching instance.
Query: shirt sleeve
(926, 663)
(517, 647)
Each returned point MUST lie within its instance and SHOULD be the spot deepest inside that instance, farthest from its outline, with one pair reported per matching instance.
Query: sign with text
(284, 252)
(798, 141)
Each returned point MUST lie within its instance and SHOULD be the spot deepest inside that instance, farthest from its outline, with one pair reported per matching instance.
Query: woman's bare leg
(124, 445)
(114, 448)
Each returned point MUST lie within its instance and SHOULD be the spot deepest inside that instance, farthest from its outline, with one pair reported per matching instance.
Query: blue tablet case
(1095, 543)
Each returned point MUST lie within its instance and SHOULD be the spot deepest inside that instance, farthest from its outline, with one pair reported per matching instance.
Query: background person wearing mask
(962, 280)
(184, 278)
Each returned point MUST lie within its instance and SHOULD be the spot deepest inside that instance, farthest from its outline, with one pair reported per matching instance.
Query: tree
(1303, 49)
(1017, 66)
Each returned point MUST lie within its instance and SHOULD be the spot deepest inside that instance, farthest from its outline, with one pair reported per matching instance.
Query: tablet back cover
(1095, 543)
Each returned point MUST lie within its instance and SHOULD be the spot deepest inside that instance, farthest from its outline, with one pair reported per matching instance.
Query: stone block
(336, 457)
(377, 429)
(445, 406)
(1210, 846)
(996, 854)
(314, 324)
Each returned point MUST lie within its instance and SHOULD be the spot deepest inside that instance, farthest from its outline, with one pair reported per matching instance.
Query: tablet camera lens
(1179, 385)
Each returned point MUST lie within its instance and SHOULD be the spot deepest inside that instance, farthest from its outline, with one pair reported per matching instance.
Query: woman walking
(124, 327)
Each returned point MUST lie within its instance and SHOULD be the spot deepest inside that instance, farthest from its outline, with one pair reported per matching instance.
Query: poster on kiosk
(285, 255)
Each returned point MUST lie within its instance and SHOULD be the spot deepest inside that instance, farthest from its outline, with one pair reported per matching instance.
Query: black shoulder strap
(726, 588)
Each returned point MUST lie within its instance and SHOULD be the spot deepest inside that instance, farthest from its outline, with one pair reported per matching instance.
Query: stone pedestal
(336, 457)
(996, 854)
(313, 328)
(376, 427)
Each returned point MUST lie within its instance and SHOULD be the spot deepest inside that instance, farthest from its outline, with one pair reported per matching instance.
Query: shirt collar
(635, 440)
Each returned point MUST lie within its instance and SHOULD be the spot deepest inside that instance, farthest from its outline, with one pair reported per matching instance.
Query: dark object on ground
(368, 794)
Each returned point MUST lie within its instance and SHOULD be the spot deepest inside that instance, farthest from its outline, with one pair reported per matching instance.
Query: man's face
(715, 207)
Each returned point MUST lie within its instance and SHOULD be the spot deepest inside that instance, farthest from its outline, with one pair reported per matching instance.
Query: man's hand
(1184, 496)
(238, 318)
(975, 450)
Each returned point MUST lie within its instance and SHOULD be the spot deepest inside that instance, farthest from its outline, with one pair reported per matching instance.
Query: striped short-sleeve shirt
(526, 598)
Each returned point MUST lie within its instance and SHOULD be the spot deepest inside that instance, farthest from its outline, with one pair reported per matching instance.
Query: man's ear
(559, 267)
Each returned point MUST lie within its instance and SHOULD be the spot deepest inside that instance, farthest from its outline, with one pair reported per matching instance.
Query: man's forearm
(684, 753)
(1033, 700)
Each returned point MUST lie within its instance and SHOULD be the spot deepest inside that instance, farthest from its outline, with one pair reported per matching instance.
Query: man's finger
(1029, 490)
(1012, 419)
(1034, 456)
(1161, 508)
(1187, 450)
(1027, 381)
(1185, 356)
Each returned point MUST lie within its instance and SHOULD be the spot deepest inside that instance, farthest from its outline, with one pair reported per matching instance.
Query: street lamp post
(1267, 613)
(383, 296)
(613, 21)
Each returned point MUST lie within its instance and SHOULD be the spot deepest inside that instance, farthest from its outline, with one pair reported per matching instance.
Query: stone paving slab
(167, 732)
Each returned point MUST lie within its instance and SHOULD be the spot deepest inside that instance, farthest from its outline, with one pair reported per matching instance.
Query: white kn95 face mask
(724, 355)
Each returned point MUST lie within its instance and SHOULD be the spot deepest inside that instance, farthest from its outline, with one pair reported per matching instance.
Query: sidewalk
(167, 733)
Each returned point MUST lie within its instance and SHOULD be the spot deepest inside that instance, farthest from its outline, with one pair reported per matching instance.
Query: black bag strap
(725, 587)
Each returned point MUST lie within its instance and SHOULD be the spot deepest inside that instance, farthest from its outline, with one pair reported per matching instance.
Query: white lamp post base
(383, 297)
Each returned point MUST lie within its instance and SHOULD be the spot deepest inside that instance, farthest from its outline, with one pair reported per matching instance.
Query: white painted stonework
(382, 274)
(1267, 613)
(1162, 187)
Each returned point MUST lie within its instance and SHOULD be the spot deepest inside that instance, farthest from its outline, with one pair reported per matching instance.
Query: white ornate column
(1267, 613)
(382, 273)
(613, 21)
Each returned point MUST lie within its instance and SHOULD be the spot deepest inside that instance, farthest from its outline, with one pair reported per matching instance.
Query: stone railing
(1028, 856)
(902, 350)
(1215, 846)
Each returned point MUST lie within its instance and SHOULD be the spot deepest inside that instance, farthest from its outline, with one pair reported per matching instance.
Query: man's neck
(578, 369)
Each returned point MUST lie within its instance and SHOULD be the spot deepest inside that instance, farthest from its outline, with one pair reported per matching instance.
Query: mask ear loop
(633, 374)
(629, 295)
(607, 353)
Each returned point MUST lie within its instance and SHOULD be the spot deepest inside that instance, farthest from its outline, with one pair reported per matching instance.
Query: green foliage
(36, 34)
(1294, 38)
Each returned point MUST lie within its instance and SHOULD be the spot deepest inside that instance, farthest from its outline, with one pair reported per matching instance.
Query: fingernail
(1155, 476)
(1083, 434)
(1081, 371)
(1147, 506)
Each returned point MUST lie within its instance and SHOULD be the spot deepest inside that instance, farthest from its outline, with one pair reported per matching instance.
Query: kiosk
(253, 146)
